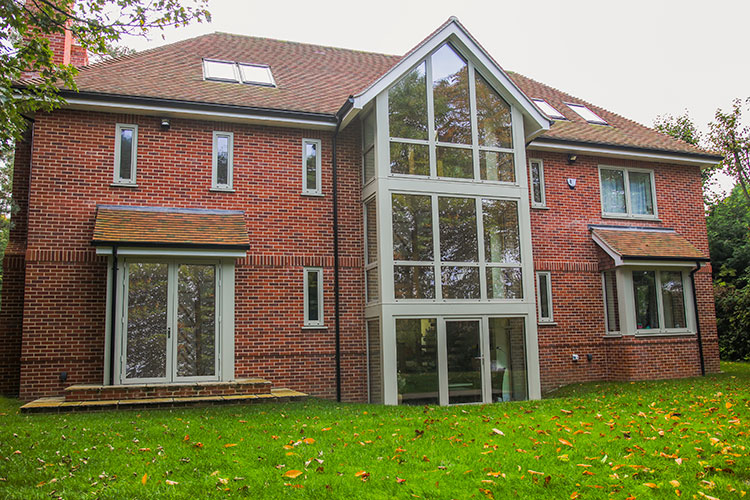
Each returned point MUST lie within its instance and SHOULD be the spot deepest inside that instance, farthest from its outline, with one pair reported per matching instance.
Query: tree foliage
(731, 139)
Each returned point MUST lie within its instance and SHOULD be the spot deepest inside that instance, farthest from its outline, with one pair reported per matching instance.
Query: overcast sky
(637, 58)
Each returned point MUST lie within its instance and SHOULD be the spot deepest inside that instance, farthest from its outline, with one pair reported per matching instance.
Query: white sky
(637, 58)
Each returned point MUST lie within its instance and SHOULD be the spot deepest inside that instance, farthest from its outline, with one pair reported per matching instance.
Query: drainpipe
(336, 291)
(697, 318)
(113, 317)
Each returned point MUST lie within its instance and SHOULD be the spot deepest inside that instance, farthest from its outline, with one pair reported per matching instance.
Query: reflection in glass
(369, 164)
(458, 229)
(411, 159)
(412, 227)
(371, 278)
(610, 301)
(508, 359)
(311, 166)
(222, 160)
(646, 308)
(454, 162)
(375, 361)
(544, 297)
(460, 282)
(536, 182)
(313, 299)
(126, 153)
(146, 351)
(414, 282)
(416, 361)
(450, 85)
(673, 299)
(196, 320)
(501, 240)
(493, 116)
(504, 283)
(371, 236)
(407, 106)
(464, 362)
(641, 202)
(613, 191)
(494, 166)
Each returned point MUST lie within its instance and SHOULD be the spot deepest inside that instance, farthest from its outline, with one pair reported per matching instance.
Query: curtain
(640, 193)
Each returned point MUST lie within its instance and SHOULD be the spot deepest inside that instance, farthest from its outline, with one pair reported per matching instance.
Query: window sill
(539, 207)
(319, 195)
(221, 190)
(546, 323)
(683, 333)
(315, 327)
(123, 185)
(630, 217)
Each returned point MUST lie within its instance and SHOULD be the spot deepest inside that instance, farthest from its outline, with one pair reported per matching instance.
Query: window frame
(628, 214)
(574, 106)
(542, 104)
(307, 323)
(117, 180)
(318, 191)
(662, 330)
(235, 69)
(371, 264)
(616, 303)
(215, 186)
(534, 203)
(551, 317)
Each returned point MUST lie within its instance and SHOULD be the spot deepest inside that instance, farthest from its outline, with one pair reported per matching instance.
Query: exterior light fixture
(572, 158)
(571, 183)
(165, 123)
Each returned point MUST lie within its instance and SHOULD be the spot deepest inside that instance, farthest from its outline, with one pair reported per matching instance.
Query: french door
(169, 321)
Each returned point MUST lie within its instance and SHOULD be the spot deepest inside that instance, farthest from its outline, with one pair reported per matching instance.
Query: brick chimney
(64, 48)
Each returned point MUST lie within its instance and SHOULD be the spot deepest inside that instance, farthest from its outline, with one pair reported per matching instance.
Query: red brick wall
(562, 244)
(65, 284)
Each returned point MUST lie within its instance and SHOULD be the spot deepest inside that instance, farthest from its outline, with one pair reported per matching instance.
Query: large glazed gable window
(627, 193)
(407, 106)
(126, 152)
(223, 158)
(450, 90)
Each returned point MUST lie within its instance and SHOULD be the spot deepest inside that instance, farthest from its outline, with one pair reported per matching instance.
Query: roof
(319, 79)
(646, 244)
(173, 227)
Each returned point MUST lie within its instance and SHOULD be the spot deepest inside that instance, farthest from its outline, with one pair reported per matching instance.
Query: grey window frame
(215, 186)
(318, 191)
(543, 202)
(551, 316)
(120, 181)
(628, 214)
(320, 323)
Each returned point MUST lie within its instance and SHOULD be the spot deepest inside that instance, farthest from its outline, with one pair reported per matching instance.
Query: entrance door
(464, 355)
(169, 322)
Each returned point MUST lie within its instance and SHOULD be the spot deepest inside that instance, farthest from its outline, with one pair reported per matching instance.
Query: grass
(618, 440)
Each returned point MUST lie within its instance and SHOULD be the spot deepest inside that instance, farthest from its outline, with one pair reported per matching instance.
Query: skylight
(548, 109)
(587, 114)
(225, 71)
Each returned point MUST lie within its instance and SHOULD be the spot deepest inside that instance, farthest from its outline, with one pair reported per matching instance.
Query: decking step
(245, 386)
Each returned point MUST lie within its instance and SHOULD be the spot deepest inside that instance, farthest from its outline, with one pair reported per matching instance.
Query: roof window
(225, 71)
(587, 114)
(548, 109)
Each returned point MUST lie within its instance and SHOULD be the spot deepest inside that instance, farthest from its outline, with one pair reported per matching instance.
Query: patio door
(169, 322)
(463, 341)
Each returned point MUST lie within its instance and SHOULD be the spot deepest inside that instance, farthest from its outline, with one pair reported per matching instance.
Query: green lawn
(639, 440)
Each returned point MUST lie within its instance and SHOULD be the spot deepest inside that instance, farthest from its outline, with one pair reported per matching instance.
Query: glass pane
(256, 74)
(222, 160)
(501, 241)
(375, 361)
(464, 362)
(369, 164)
(311, 166)
(414, 282)
(412, 227)
(610, 301)
(536, 182)
(543, 297)
(641, 202)
(412, 159)
(493, 116)
(371, 278)
(504, 283)
(126, 153)
(458, 229)
(673, 299)
(196, 320)
(494, 166)
(460, 282)
(313, 301)
(220, 70)
(450, 86)
(368, 131)
(508, 359)
(613, 191)
(455, 162)
(646, 308)
(416, 361)
(146, 352)
(407, 106)
(371, 236)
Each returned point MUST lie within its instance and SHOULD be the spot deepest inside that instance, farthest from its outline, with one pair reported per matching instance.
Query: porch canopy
(164, 227)
(628, 245)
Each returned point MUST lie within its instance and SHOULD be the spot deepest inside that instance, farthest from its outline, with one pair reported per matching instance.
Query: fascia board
(609, 250)
(170, 252)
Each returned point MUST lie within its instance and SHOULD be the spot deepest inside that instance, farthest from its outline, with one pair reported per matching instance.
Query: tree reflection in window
(146, 353)
(407, 106)
(450, 85)
(196, 320)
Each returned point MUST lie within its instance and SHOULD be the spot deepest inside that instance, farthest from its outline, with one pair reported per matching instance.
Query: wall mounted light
(572, 158)
(165, 123)
(571, 183)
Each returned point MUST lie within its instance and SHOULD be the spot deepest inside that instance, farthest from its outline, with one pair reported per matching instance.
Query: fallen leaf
(399, 480)
(308, 440)
(650, 485)
(170, 482)
(498, 432)
(565, 442)
(144, 478)
(293, 473)
(229, 445)
(675, 483)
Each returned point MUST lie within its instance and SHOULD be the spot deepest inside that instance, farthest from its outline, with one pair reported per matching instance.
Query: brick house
(418, 229)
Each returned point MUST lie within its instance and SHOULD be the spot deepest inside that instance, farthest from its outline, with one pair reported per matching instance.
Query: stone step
(239, 387)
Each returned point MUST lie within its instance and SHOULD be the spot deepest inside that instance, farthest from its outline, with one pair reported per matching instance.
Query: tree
(6, 203)
(682, 128)
(732, 141)
(96, 25)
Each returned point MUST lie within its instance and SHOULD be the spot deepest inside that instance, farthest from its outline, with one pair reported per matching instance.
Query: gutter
(697, 317)
(336, 271)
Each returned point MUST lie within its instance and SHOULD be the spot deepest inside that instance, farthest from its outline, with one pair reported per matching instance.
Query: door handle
(169, 332)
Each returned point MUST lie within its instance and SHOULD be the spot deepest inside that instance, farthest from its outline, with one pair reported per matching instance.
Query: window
(371, 252)
(548, 109)
(544, 296)
(587, 114)
(223, 159)
(126, 152)
(472, 136)
(313, 295)
(368, 148)
(536, 172)
(311, 167)
(611, 311)
(659, 300)
(627, 193)
(234, 72)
